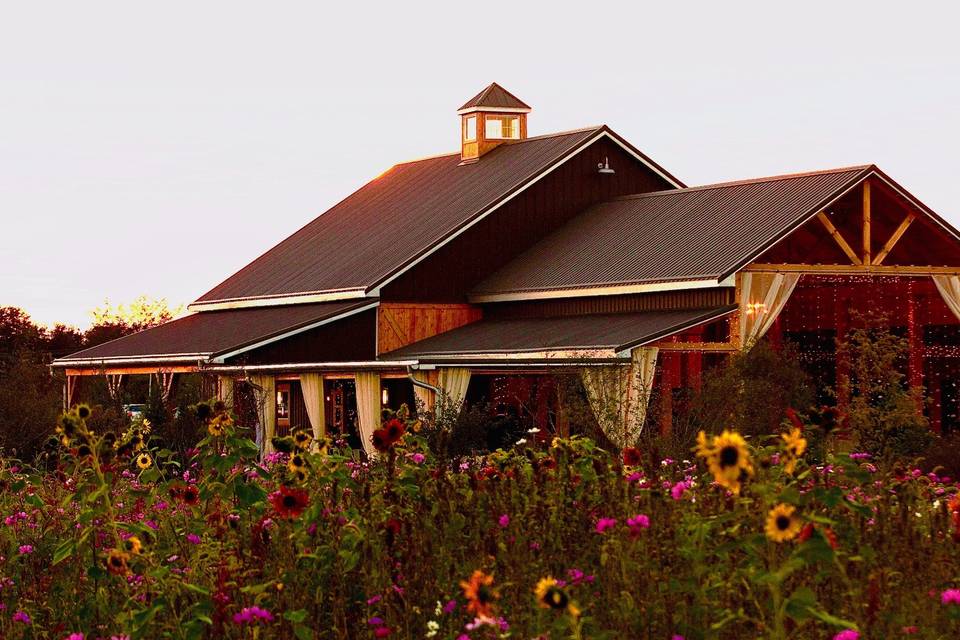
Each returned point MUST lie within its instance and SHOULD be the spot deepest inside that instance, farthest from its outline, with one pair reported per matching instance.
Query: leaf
(297, 616)
(800, 602)
(302, 632)
(196, 588)
(64, 550)
(831, 619)
(248, 494)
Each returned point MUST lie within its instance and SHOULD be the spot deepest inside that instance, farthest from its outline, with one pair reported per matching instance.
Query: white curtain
(619, 395)
(949, 288)
(312, 386)
(425, 397)
(762, 298)
(225, 390)
(453, 381)
(266, 395)
(368, 407)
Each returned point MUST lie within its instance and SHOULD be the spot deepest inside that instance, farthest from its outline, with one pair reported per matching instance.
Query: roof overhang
(603, 290)
(462, 112)
(279, 300)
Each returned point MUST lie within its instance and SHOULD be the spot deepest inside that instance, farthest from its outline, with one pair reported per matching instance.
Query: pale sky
(155, 148)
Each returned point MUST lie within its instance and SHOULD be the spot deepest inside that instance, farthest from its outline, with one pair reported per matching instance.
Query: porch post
(915, 339)
(225, 390)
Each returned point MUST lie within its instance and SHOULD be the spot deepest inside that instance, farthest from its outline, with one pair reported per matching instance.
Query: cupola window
(502, 128)
(470, 129)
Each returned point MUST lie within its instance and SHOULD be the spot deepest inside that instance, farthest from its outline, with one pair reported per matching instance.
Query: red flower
(806, 532)
(395, 429)
(393, 526)
(388, 435)
(190, 495)
(631, 456)
(794, 418)
(289, 503)
(548, 463)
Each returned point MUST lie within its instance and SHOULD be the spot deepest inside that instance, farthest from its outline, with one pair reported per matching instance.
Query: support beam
(866, 222)
(833, 231)
(894, 238)
(722, 347)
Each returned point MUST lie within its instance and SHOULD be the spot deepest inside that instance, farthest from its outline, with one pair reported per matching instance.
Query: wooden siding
(659, 301)
(351, 339)
(400, 324)
(450, 273)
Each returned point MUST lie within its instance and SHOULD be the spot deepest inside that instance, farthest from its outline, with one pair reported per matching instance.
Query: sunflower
(133, 545)
(781, 523)
(83, 411)
(296, 463)
(302, 440)
(727, 457)
(190, 495)
(144, 461)
(794, 446)
(117, 562)
(289, 503)
(479, 594)
(550, 595)
(218, 425)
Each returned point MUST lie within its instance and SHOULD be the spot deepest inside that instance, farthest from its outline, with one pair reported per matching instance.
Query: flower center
(783, 523)
(729, 456)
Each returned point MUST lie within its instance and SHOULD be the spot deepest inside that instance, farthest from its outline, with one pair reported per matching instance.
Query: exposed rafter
(838, 237)
(866, 222)
(894, 238)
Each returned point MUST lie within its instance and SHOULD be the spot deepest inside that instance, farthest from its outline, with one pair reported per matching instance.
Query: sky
(156, 148)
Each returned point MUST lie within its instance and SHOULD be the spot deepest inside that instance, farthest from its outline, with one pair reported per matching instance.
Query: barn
(488, 272)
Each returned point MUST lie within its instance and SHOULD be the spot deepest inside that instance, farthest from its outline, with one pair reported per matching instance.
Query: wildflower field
(117, 538)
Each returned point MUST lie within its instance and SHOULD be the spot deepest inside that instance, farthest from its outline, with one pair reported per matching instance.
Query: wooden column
(915, 340)
(866, 223)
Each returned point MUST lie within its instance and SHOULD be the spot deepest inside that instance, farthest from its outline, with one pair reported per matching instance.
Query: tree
(111, 322)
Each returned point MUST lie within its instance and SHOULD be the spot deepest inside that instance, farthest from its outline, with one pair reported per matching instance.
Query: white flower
(521, 441)
(432, 628)
(534, 430)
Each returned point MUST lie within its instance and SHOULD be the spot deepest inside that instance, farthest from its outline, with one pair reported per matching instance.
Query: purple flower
(375, 621)
(193, 538)
(374, 600)
(21, 616)
(504, 521)
(418, 458)
(677, 636)
(26, 549)
(950, 596)
(450, 607)
(847, 634)
(605, 523)
(252, 615)
(860, 456)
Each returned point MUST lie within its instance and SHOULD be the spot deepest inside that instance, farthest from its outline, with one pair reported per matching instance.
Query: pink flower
(912, 629)
(418, 458)
(374, 600)
(74, 636)
(504, 521)
(26, 549)
(605, 523)
(21, 616)
(637, 523)
(848, 634)
(193, 538)
(677, 491)
(450, 607)
(950, 596)
(252, 615)
(381, 632)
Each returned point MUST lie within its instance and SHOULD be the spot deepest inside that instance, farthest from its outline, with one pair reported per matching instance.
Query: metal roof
(689, 234)
(208, 334)
(495, 96)
(394, 218)
(614, 332)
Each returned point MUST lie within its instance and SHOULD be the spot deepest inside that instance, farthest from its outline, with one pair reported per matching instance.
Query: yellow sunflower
(144, 461)
(782, 525)
(794, 444)
(727, 457)
(296, 463)
(302, 440)
(117, 562)
(133, 545)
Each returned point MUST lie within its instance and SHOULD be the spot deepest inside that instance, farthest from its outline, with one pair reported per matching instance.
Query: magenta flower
(21, 616)
(847, 634)
(418, 458)
(677, 490)
(381, 632)
(450, 607)
(640, 521)
(26, 549)
(605, 523)
(950, 596)
(374, 600)
(504, 521)
(375, 621)
(252, 615)
(193, 538)
(74, 636)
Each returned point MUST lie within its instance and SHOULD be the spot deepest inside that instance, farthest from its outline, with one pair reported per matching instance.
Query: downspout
(421, 383)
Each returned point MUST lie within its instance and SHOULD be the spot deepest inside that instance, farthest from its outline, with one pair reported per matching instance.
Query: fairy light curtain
(762, 298)
(619, 396)
(949, 288)
(368, 407)
(312, 386)
(265, 389)
(453, 381)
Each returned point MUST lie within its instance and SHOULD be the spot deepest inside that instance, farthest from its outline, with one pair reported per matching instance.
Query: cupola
(490, 118)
